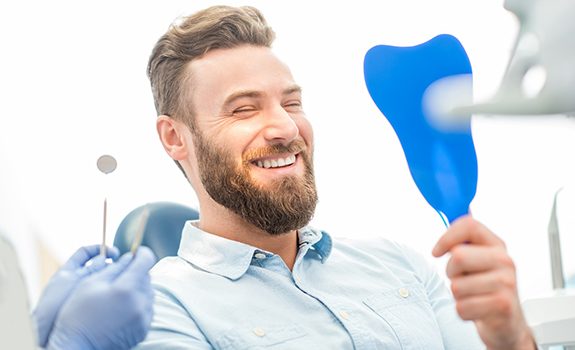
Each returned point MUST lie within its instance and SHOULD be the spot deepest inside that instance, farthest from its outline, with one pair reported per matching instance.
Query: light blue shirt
(342, 294)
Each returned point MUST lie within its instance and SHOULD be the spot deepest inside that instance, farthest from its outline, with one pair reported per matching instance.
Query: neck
(220, 221)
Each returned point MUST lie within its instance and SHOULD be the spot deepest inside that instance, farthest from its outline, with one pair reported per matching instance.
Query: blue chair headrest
(163, 229)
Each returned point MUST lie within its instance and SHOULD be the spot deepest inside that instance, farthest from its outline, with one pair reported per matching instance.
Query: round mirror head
(107, 164)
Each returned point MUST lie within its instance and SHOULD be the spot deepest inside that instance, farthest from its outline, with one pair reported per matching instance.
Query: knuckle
(450, 269)
(507, 281)
(505, 260)
(504, 305)
(455, 289)
(457, 255)
(462, 310)
(472, 224)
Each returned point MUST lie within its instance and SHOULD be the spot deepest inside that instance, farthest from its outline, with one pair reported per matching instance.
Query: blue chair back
(163, 229)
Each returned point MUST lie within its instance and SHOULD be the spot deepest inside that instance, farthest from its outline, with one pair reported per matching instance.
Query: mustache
(296, 146)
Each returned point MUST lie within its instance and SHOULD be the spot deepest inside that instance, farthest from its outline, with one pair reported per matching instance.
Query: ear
(173, 135)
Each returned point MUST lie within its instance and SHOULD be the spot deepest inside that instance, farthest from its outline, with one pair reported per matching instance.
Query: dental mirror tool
(106, 164)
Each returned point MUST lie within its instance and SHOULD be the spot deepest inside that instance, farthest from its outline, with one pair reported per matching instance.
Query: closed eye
(243, 111)
(293, 107)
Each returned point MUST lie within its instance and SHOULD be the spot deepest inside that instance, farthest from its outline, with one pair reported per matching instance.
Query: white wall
(74, 87)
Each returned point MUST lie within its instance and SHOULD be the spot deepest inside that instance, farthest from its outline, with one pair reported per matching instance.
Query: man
(250, 273)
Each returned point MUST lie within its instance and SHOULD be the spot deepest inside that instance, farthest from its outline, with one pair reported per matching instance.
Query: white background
(73, 87)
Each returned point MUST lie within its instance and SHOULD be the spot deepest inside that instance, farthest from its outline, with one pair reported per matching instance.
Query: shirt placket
(345, 314)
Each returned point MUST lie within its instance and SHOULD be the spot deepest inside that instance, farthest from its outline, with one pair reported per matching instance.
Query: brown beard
(286, 204)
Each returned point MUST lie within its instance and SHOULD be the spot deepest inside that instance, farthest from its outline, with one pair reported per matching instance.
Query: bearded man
(250, 273)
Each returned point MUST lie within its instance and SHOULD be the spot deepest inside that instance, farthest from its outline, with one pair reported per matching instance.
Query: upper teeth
(274, 163)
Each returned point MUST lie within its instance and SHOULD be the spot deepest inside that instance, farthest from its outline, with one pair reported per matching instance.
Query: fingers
(84, 254)
(143, 261)
(112, 253)
(468, 259)
(129, 267)
(494, 306)
(465, 230)
(112, 271)
(81, 256)
(483, 283)
(97, 264)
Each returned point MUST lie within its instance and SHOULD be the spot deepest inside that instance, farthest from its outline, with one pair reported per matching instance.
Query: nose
(280, 127)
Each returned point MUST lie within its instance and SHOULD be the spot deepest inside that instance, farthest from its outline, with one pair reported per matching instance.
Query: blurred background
(74, 87)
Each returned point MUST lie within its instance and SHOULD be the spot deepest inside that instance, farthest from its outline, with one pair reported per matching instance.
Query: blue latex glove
(63, 283)
(110, 309)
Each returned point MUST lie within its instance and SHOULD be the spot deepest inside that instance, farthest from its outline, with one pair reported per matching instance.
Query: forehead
(221, 72)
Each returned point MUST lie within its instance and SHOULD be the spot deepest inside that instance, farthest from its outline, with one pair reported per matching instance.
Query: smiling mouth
(275, 162)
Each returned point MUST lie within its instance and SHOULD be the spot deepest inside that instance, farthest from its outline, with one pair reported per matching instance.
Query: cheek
(305, 130)
(238, 139)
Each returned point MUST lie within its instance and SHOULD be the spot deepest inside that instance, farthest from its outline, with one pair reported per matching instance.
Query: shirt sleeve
(456, 333)
(172, 327)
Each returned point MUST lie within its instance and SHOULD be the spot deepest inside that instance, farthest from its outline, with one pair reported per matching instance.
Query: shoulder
(393, 256)
(173, 273)
(380, 248)
(169, 265)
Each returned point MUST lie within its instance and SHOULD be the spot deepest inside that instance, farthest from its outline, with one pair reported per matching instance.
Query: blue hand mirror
(407, 84)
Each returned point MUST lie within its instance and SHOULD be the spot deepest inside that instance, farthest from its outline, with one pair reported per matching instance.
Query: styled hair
(216, 27)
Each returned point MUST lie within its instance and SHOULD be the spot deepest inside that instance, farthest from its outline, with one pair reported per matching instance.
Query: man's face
(253, 143)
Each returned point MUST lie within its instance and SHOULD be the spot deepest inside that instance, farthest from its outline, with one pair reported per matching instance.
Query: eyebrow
(255, 94)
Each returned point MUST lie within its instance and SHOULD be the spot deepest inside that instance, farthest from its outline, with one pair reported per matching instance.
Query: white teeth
(275, 163)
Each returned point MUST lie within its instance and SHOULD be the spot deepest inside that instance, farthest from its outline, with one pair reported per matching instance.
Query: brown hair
(217, 27)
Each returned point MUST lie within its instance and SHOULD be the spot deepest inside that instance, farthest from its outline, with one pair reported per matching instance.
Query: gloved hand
(110, 309)
(62, 284)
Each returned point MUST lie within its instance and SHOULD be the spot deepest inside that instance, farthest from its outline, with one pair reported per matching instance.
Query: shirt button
(343, 315)
(259, 332)
(259, 256)
(403, 292)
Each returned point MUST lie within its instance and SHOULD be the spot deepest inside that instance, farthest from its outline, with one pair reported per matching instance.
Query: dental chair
(162, 231)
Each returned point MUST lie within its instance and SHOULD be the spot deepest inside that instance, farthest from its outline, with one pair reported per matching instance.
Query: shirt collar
(316, 240)
(213, 253)
(232, 259)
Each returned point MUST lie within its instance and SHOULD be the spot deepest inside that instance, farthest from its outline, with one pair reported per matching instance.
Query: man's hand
(484, 284)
